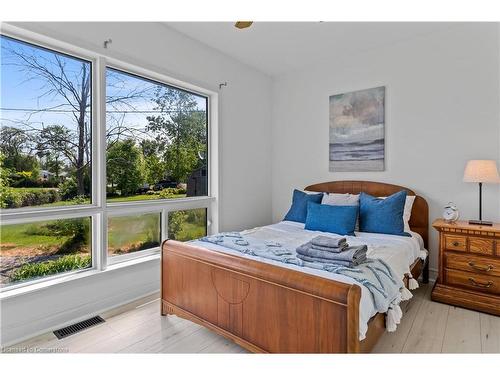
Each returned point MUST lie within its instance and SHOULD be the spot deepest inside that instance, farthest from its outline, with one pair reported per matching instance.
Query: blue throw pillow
(333, 219)
(298, 211)
(385, 216)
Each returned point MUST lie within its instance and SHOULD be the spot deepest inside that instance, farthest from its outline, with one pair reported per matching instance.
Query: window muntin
(46, 127)
(34, 250)
(133, 233)
(186, 225)
(157, 143)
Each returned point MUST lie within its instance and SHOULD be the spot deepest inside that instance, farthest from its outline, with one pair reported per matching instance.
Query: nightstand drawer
(453, 242)
(483, 283)
(481, 245)
(475, 264)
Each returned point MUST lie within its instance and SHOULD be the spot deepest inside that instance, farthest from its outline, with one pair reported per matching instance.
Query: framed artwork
(357, 131)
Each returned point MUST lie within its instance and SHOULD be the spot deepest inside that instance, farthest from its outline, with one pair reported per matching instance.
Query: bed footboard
(261, 307)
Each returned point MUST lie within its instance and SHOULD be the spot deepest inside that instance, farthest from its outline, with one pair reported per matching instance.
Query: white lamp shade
(481, 171)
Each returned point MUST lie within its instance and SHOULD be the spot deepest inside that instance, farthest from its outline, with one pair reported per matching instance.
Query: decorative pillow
(410, 199)
(298, 210)
(347, 199)
(333, 219)
(378, 215)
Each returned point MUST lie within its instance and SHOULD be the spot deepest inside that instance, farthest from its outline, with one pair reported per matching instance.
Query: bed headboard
(419, 221)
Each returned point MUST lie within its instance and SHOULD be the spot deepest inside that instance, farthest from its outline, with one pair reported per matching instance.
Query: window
(156, 140)
(36, 249)
(128, 234)
(46, 138)
(187, 225)
(89, 178)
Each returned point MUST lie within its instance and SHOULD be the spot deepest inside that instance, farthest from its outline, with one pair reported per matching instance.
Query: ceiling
(276, 48)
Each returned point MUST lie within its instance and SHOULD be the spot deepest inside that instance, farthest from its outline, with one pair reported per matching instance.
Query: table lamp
(481, 171)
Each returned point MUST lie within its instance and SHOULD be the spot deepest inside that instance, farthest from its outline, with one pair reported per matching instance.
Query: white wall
(442, 108)
(245, 151)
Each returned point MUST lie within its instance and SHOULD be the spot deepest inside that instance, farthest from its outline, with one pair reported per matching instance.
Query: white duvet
(397, 251)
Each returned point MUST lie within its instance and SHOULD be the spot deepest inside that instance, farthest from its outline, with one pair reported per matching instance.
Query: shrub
(167, 193)
(76, 229)
(25, 179)
(170, 192)
(68, 189)
(176, 222)
(13, 198)
(62, 264)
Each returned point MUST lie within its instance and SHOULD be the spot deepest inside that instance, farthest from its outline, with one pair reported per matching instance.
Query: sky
(23, 90)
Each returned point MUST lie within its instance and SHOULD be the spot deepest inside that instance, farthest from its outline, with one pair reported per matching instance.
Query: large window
(99, 162)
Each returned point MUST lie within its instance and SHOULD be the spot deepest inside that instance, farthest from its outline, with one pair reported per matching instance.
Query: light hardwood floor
(426, 327)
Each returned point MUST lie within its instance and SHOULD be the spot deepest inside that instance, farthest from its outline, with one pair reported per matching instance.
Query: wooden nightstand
(469, 266)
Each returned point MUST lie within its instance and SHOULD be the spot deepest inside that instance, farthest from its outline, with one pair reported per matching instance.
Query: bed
(267, 307)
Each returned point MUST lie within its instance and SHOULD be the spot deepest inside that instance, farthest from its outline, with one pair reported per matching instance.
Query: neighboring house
(197, 183)
(46, 175)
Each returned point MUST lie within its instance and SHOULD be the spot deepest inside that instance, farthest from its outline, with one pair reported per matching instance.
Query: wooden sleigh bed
(271, 309)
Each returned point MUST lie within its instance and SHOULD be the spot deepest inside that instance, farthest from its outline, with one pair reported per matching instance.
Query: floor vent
(77, 327)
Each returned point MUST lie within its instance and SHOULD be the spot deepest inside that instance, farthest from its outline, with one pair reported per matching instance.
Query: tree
(125, 166)
(55, 141)
(154, 169)
(182, 128)
(69, 89)
(66, 82)
(16, 147)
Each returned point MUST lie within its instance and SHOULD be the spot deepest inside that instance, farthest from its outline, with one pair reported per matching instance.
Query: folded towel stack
(328, 250)
(324, 243)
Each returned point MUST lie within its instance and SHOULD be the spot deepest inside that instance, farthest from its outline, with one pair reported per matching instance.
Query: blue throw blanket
(374, 274)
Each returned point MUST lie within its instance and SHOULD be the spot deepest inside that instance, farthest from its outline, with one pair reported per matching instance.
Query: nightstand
(469, 266)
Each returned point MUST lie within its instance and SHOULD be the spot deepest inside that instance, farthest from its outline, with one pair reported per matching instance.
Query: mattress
(397, 251)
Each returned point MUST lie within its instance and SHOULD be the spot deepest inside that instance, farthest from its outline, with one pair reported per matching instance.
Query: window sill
(22, 290)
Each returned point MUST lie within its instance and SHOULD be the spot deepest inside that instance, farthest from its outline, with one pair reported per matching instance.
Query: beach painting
(357, 122)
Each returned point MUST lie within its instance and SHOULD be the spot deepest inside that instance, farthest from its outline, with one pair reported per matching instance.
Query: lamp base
(481, 222)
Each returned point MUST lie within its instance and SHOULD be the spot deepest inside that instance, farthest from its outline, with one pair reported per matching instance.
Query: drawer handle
(488, 268)
(475, 283)
(456, 243)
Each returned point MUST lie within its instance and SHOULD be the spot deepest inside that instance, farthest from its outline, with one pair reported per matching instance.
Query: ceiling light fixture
(243, 24)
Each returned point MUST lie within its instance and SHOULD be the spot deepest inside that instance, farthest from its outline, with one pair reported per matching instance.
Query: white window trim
(99, 210)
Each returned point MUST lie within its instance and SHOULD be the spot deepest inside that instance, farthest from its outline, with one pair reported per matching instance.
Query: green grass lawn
(141, 197)
(32, 189)
(21, 235)
(131, 198)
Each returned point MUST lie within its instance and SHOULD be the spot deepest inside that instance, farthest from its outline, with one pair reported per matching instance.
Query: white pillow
(347, 199)
(335, 199)
(410, 199)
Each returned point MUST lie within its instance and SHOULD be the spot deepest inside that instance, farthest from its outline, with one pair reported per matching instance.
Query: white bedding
(397, 251)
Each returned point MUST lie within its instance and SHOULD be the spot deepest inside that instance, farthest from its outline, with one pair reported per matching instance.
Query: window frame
(99, 209)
